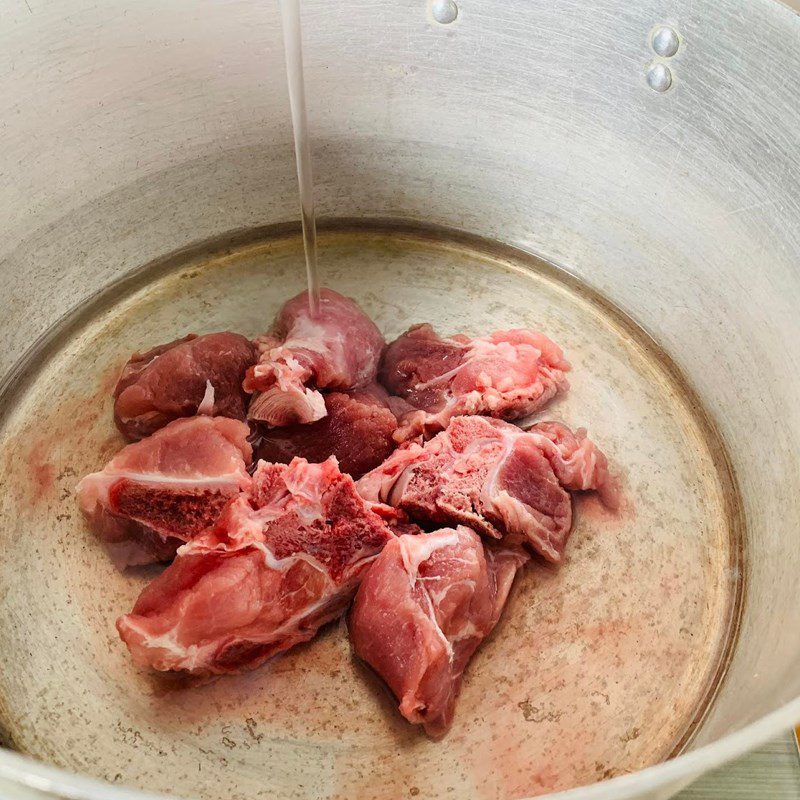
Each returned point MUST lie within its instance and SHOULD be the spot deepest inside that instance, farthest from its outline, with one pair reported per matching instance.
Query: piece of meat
(497, 479)
(194, 375)
(163, 491)
(282, 561)
(507, 375)
(421, 611)
(577, 462)
(357, 429)
(397, 520)
(338, 349)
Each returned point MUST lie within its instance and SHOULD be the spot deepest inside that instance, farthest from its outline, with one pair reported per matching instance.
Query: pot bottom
(601, 667)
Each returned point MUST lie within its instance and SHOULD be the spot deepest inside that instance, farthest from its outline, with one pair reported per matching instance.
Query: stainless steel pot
(666, 181)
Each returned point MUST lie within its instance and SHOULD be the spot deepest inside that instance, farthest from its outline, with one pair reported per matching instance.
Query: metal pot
(649, 150)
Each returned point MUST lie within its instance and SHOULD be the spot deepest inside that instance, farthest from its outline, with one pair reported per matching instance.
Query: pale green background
(770, 773)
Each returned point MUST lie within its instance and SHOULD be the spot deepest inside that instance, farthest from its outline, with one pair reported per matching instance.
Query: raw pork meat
(160, 492)
(396, 519)
(194, 375)
(337, 349)
(357, 429)
(281, 562)
(421, 611)
(508, 375)
(496, 478)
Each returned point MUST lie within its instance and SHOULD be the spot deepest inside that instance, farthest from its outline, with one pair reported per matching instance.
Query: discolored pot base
(598, 668)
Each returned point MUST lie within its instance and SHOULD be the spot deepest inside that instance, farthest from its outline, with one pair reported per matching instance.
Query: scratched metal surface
(131, 130)
(586, 677)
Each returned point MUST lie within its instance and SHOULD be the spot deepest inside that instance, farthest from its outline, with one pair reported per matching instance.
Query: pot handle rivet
(659, 77)
(665, 41)
(444, 11)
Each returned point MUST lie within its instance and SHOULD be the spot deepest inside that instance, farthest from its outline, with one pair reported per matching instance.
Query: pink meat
(194, 375)
(577, 462)
(358, 429)
(508, 375)
(421, 611)
(395, 519)
(339, 349)
(281, 562)
(165, 490)
(497, 479)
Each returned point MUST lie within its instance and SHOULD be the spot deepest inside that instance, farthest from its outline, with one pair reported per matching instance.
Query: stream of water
(293, 47)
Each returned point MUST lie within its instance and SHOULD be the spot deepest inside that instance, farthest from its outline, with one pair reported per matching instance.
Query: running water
(293, 48)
